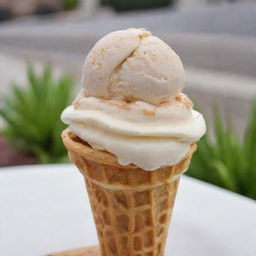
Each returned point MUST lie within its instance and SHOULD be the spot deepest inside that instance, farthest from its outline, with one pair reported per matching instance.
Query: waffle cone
(131, 207)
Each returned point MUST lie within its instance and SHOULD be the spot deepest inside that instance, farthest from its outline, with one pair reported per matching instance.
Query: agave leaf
(34, 82)
(225, 176)
(32, 114)
(226, 161)
(250, 134)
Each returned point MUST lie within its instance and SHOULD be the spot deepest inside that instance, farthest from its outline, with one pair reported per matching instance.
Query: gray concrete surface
(235, 19)
(223, 53)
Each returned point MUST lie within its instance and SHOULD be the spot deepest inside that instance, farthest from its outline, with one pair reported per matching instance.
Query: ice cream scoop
(133, 65)
(132, 133)
(131, 103)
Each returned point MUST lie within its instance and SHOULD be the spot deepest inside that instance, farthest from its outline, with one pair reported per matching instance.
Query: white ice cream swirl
(132, 105)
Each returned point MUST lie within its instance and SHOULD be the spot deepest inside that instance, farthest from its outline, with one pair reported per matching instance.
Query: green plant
(106, 2)
(225, 160)
(32, 115)
(70, 4)
(124, 5)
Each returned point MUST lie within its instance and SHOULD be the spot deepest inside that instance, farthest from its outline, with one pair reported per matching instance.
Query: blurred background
(43, 44)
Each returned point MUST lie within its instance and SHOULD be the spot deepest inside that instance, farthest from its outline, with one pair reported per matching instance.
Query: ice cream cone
(131, 207)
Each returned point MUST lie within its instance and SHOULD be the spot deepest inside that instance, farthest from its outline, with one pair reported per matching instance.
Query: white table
(45, 209)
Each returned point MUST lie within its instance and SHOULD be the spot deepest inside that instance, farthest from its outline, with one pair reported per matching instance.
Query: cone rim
(73, 143)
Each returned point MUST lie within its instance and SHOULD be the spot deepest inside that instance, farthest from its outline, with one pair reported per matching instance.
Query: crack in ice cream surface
(133, 65)
(131, 105)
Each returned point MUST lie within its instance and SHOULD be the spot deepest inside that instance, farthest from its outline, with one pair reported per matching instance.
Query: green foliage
(226, 161)
(70, 4)
(32, 115)
(106, 2)
(124, 5)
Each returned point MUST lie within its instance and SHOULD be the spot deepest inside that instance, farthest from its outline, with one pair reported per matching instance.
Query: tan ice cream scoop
(131, 103)
(133, 65)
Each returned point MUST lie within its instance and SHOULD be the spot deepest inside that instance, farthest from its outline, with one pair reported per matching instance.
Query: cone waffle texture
(131, 206)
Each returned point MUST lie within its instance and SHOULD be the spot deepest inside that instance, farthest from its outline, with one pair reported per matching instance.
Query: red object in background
(10, 156)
